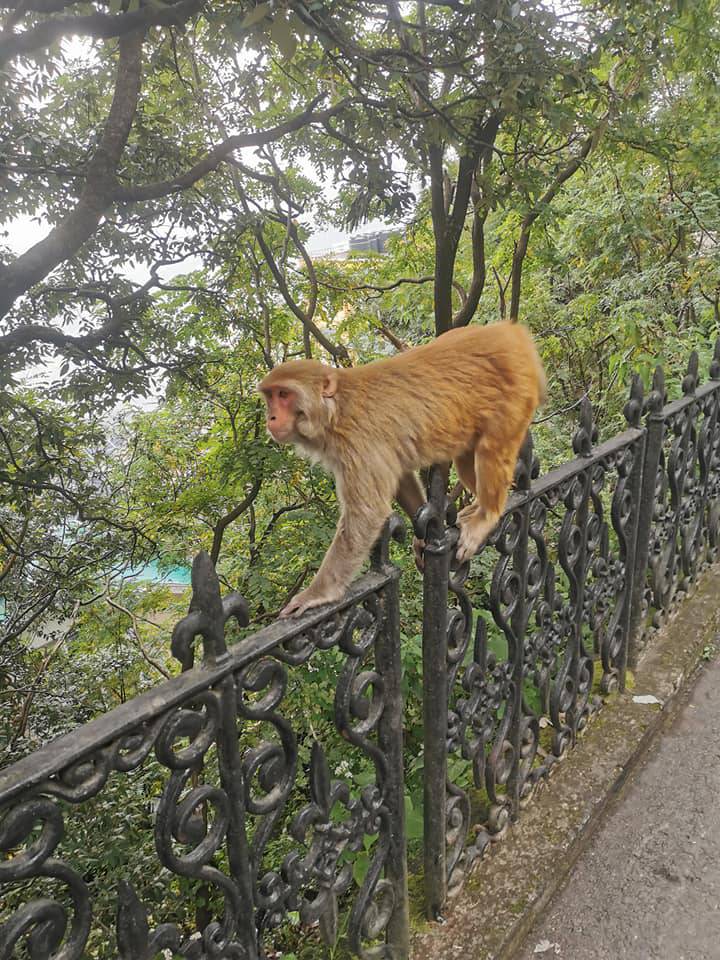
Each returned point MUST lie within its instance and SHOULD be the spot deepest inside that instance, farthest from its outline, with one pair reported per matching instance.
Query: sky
(23, 232)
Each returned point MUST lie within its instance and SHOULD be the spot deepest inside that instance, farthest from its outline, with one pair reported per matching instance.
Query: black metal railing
(518, 647)
(227, 716)
(586, 561)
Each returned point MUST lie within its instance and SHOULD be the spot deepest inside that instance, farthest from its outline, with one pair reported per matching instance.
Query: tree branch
(13, 554)
(134, 618)
(390, 336)
(531, 216)
(100, 25)
(465, 314)
(95, 197)
(224, 522)
(447, 228)
(337, 351)
(215, 157)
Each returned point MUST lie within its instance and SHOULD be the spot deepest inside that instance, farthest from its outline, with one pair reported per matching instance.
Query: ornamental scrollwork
(559, 595)
(315, 878)
(230, 760)
(31, 831)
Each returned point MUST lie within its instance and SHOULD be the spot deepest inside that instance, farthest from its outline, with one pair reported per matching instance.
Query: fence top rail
(674, 407)
(84, 741)
(556, 477)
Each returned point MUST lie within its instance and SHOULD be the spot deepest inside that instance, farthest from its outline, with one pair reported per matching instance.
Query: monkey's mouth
(279, 435)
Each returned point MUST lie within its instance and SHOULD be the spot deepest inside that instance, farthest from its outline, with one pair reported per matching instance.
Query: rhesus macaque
(468, 396)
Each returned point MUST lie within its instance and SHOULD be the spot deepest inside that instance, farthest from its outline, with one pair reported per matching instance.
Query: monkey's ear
(330, 384)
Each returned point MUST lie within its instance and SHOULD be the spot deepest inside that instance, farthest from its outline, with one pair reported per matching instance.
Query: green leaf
(414, 823)
(360, 868)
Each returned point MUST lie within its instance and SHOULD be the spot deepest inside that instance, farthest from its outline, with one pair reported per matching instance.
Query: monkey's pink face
(281, 413)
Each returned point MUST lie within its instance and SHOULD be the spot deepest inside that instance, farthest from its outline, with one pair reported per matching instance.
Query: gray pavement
(648, 886)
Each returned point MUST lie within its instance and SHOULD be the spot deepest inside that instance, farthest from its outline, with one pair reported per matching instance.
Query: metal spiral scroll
(696, 526)
(570, 704)
(676, 479)
(543, 611)
(516, 585)
(314, 878)
(607, 597)
(197, 821)
(193, 825)
(200, 825)
(457, 804)
(43, 924)
(686, 519)
(709, 458)
(489, 687)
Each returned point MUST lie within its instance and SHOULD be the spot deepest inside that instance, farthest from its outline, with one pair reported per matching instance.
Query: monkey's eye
(283, 394)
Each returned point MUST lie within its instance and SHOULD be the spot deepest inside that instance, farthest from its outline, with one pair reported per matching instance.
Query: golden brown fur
(467, 396)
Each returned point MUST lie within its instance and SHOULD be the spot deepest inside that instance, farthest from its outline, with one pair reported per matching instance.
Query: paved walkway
(648, 887)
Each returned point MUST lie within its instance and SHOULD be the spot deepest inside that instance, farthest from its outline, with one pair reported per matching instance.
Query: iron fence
(216, 830)
(518, 647)
(586, 561)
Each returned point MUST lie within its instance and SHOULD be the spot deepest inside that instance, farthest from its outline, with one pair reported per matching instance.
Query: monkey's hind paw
(472, 537)
(467, 512)
(464, 553)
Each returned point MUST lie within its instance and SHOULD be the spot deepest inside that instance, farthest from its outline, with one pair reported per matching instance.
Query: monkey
(467, 396)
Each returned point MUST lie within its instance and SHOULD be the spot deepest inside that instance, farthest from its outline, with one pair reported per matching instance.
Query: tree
(64, 519)
(178, 137)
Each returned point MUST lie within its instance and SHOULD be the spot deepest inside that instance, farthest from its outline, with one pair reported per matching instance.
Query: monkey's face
(300, 402)
(281, 413)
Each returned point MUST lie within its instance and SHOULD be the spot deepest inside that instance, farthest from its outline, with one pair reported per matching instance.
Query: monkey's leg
(356, 533)
(465, 467)
(411, 496)
(494, 465)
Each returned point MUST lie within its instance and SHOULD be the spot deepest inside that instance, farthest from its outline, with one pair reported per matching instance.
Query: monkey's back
(435, 400)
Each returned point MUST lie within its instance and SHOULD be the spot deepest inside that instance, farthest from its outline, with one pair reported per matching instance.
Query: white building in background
(374, 241)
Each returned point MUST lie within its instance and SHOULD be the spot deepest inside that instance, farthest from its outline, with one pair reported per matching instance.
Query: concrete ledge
(511, 886)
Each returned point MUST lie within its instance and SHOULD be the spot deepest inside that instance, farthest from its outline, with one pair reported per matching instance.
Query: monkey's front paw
(292, 609)
(303, 601)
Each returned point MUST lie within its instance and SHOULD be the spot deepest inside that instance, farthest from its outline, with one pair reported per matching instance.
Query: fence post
(575, 565)
(430, 526)
(209, 613)
(518, 628)
(633, 415)
(390, 740)
(650, 463)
